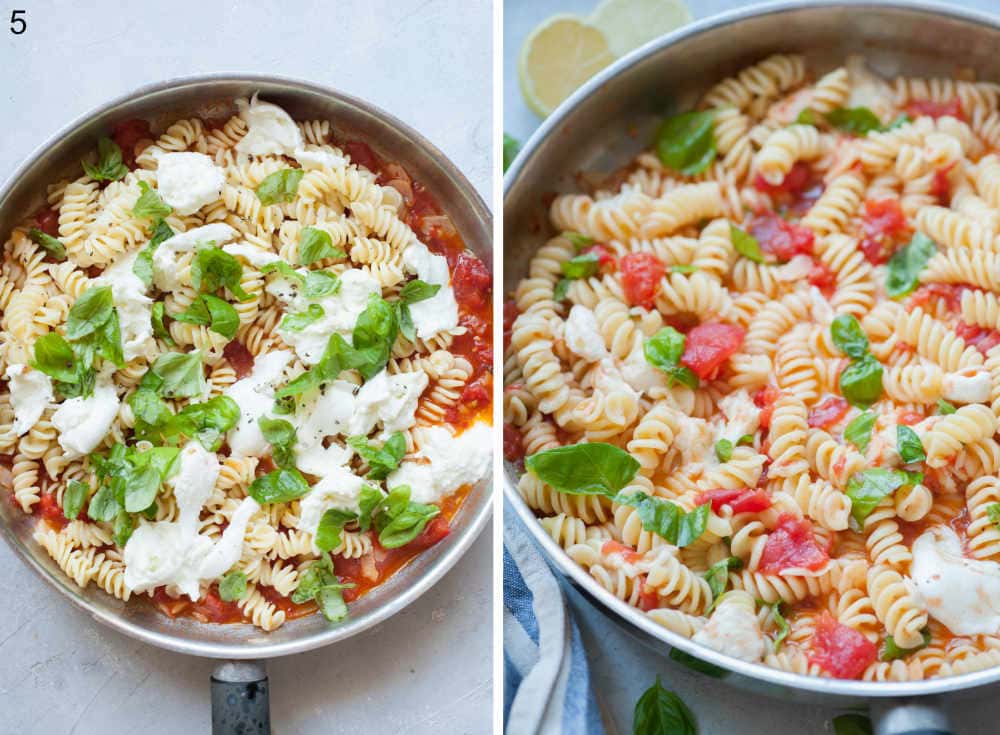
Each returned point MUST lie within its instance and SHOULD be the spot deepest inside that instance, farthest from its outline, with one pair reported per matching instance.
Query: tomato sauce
(239, 357)
(210, 609)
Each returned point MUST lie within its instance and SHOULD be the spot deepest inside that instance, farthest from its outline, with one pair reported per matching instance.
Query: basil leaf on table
(661, 712)
(584, 469)
(852, 724)
(686, 142)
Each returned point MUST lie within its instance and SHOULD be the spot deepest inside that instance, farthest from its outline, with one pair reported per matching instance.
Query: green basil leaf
(149, 204)
(159, 330)
(667, 519)
(746, 244)
(900, 120)
(663, 350)
(407, 525)
(584, 469)
(330, 527)
(318, 574)
(745, 440)
(724, 450)
(909, 446)
(207, 421)
(861, 382)
(319, 284)
(406, 326)
(281, 486)
(561, 290)
(852, 724)
(417, 290)
(511, 147)
(374, 335)
(808, 117)
(108, 341)
(661, 712)
(686, 142)
(161, 459)
(316, 244)
(859, 431)
(284, 270)
(109, 162)
(214, 268)
(233, 587)
(55, 358)
(580, 266)
(331, 601)
(854, 120)
(993, 513)
(141, 487)
(55, 248)
(866, 489)
(783, 627)
(337, 357)
(143, 264)
(225, 320)
(297, 321)
(903, 272)
(684, 269)
(891, 651)
(848, 336)
(944, 408)
(717, 576)
(196, 313)
(578, 240)
(74, 497)
(92, 310)
(281, 186)
(181, 374)
(281, 435)
(371, 497)
(124, 525)
(380, 460)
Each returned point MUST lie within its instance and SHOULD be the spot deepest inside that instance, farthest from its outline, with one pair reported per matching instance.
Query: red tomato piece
(839, 649)
(48, 221)
(641, 276)
(239, 357)
(795, 181)
(950, 293)
(821, 276)
(510, 313)
(709, 345)
(941, 184)
(48, 508)
(362, 154)
(781, 239)
(649, 598)
(829, 411)
(215, 610)
(513, 444)
(982, 338)
(126, 134)
(629, 554)
(471, 281)
(951, 108)
(740, 500)
(882, 224)
(605, 258)
(909, 418)
(791, 545)
(436, 529)
(764, 400)
(474, 396)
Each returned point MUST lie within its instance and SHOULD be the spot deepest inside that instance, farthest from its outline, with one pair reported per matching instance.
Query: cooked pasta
(775, 369)
(203, 402)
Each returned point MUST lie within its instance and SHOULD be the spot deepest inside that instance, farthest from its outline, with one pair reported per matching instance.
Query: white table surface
(428, 669)
(621, 667)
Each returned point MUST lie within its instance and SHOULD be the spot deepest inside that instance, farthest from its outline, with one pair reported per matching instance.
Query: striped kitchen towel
(546, 677)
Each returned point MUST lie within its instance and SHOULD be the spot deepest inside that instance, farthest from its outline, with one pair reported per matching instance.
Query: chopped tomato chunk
(829, 411)
(126, 134)
(362, 155)
(791, 545)
(982, 338)
(951, 108)
(941, 184)
(909, 418)
(239, 357)
(48, 508)
(48, 221)
(474, 397)
(950, 293)
(821, 276)
(641, 276)
(513, 444)
(839, 649)
(605, 258)
(510, 313)
(882, 225)
(471, 281)
(795, 181)
(436, 530)
(616, 547)
(781, 239)
(764, 400)
(708, 346)
(649, 599)
(741, 501)
(214, 609)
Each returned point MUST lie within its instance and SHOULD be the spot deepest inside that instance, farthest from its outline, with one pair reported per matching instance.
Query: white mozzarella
(83, 422)
(134, 307)
(165, 257)
(445, 462)
(582, 335)
(439, 313)
(30, 395)
(255, 256)
(271, 131)
(255, 396)
(188, 181)
(734, 631)
(387, 399)
(971, 385)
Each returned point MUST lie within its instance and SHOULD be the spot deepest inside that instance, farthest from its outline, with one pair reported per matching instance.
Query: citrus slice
(559, 55)
(628, 24)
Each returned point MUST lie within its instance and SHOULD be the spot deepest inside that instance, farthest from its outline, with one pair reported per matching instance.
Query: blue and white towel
(546, 677)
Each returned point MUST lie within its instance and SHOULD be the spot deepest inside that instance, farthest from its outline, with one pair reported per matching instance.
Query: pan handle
(240, 699)
(924, 716)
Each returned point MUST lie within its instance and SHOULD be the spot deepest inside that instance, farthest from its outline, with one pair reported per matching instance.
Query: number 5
(18, 24)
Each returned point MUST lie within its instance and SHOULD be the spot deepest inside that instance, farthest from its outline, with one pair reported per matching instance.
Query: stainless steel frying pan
(240, 687)
(613, 116)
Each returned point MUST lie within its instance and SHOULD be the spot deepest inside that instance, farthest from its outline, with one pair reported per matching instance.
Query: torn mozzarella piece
(255, 256)
(271, 131)
(188, 181)
(445, 462)
(134, 307)
(390, 400)
(439, 313)
(310, 159)
(733, 630)
(970, 385)
(83, 422)
(254, 395)
(339, 488)
(30, 395)
(582, 335)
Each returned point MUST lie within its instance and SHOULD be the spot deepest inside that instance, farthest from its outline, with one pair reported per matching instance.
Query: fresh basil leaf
(854, 120)
(417, 290)
(663, 350)
(233, 587)
(909, 446)
(316, 244)
(281, 435)
(214, 268)
(944, 408)
(993, 513)
(745, 440)
(407, 525)
(661, 712)
(859, 431)
(584, 469)
(580, 266)
(808, 117)
(848, 336)
(281, 486)
(891, 651)
(578, 240)
(318, 574)
(684, 269)
(861, 382)
(208, 421)
(180, 374)
(686, 142)
(143, 264)
(74, 497)
(666, 519)
(374, 335)
(900, 120)
(108, 341)
(331, 602)
(141, 487)
(319, 284)
(55, 357)
(159, 330)
(337, 357)
(161, 233)
(124, 526)
(724, 450)
(149, 204)
(284, 270)
(281, 186)
(561, 290)
(852, 724)
(297, 321)
(109, 162)
(746, 244)
(55, 248)
(867, 488)
(394, 503)
(330, 527)
(225, 320)
(717, 576)
(783, 627)
(406, 326)
(511, 147)
(380, 460)
(161, 459)
(371, 497)
(196, 313)
(903, 271)
(92, 310)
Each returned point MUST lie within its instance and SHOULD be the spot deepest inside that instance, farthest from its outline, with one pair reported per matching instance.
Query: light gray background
(427, 670)
(621, 667)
